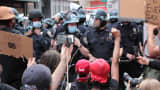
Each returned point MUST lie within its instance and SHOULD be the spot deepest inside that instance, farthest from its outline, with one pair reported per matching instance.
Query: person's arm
(116, 53)
(58, 74)
(31, 61)
(84, 51)
(121, 52)
(153, 64)
(153, 49)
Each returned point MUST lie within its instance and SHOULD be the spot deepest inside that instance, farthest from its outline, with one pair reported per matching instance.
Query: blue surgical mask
(37, 24)
(72, 29)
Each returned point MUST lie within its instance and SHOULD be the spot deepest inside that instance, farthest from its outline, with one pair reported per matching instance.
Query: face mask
(113, 20)
(37, 24)
(72, 29)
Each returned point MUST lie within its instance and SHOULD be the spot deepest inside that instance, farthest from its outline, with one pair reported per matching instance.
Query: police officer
(131, 39)
(58, 24)
(40, 42)
(100, 41)
(17, 25)
(82, 18)
(58, 20)
(48, 27)
(70, 27)
(12, 67)
(113, 20)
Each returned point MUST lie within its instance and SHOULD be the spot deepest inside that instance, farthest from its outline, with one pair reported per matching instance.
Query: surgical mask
(37, 23)
(72, 29)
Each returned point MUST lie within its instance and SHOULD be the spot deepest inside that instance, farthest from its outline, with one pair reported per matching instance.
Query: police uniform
(40, 45)
(76, 55)
(82, 28)
(130, 38)
(99, 43)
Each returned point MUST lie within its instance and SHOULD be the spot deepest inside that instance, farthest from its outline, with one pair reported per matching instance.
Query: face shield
(91, 20)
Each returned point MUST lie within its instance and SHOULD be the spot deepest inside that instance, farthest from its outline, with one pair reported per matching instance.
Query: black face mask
(113, 20)
(126, 23)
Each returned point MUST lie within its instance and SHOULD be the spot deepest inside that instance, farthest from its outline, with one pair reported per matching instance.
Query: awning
(94, 8)
(28, 0)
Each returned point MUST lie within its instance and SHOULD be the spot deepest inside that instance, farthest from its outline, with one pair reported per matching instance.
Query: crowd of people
(70, 54)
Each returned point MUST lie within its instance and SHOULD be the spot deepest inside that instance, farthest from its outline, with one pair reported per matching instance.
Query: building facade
(51, 7)
(23, 6)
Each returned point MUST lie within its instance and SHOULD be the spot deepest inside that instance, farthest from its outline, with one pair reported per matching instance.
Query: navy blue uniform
(40, 45)
(130, 38)
(100, 43)
(82, 28)
(76, 55)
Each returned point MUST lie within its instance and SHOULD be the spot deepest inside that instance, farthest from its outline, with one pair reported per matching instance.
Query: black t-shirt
(111, 85)
(79, 86)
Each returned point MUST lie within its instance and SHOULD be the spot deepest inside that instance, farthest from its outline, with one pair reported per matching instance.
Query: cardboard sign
(153, 11)
(15, 45)
(132, 9)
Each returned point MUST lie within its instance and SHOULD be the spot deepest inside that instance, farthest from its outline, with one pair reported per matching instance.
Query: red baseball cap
(82, 67)
(99, 70)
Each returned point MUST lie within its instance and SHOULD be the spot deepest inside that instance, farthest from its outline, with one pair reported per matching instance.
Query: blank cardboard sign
(153, 11)
(132, 9)
(15, 45)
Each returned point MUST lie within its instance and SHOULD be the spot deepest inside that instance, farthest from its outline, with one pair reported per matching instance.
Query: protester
(12, 67)
(37, 77)
(58, 65)
(100, 78)
(2, 85)
(62, 67)
(51, 59)
(153, 49)
(82, 69)
(149, 84)
(155, 64)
